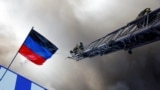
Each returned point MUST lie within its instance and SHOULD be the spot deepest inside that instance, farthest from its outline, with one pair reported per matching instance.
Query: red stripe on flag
(29, 54)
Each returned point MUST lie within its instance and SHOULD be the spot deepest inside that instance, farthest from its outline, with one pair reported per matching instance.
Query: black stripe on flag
(41, 40)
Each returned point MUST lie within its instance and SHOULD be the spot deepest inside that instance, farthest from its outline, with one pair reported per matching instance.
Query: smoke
(67, 22)
(118, 86)
(139, 71)
(7, 44)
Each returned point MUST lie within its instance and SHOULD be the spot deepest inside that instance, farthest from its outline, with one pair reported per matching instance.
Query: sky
(68, 22)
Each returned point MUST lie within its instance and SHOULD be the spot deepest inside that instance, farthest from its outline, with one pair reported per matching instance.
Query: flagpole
(9, 66)
(12, 60)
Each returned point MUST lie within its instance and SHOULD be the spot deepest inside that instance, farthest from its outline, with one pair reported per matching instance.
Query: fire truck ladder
(137, 33)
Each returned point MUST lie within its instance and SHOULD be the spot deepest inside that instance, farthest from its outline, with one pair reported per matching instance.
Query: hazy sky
(67, 22)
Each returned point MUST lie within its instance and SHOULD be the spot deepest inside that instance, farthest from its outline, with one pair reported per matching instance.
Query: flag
(14, 81)
(37, 48)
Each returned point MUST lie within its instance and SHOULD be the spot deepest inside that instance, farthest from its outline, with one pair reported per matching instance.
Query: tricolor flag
(37, 48)
(13, 81)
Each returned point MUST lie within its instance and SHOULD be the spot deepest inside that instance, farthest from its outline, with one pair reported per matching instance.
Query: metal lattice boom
(137, 33)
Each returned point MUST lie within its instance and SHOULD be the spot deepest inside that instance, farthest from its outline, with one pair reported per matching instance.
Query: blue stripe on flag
(36, 48)
(13, 81)
(22, 84)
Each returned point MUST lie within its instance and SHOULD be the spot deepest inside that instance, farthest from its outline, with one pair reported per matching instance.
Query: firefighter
(81, 46)
(77, 49)
(141, 14)
(144, 12)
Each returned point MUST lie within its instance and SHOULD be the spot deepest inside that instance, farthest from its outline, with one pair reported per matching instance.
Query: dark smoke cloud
(137, 72)
(67, 22)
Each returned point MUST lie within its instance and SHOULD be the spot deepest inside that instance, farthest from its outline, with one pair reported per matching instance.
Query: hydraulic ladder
(136, 33)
